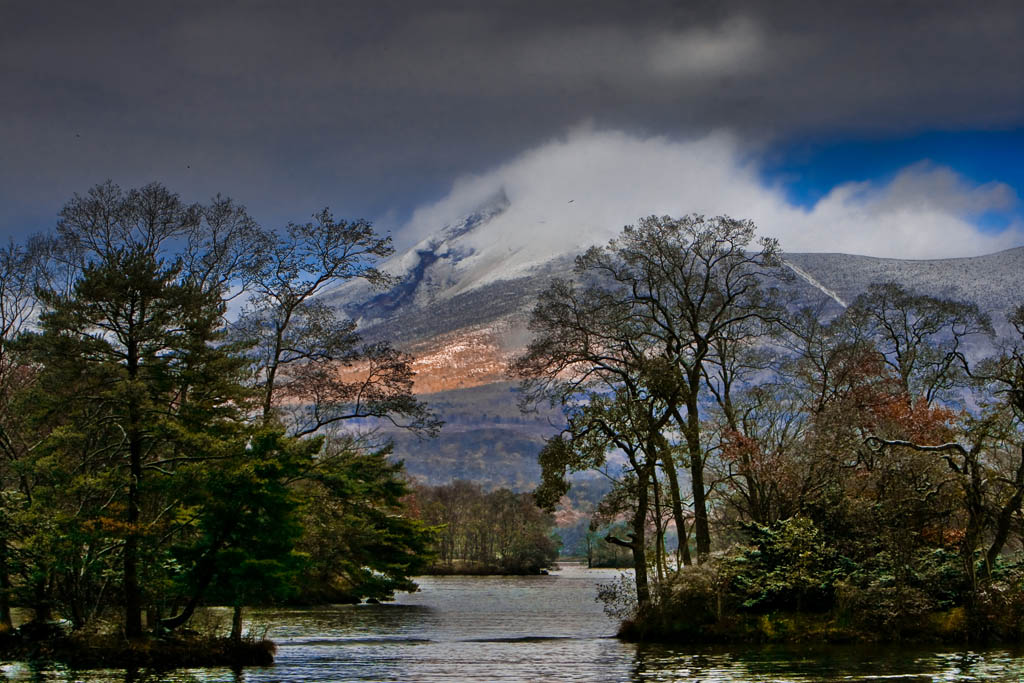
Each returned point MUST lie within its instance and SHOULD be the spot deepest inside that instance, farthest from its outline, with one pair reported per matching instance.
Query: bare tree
(313, 368)
(920, 337)
(18, 268)
(988, 458)
(670, 291)
(108, 220)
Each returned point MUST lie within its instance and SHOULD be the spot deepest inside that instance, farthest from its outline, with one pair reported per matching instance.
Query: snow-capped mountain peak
(441, 265)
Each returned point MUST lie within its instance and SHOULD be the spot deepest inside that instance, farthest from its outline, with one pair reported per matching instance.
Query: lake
(533, 628)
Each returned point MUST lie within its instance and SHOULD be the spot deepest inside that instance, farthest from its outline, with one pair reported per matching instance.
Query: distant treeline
(480, 532)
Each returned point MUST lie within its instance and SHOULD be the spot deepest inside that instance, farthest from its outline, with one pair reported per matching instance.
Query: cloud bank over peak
(582, 189)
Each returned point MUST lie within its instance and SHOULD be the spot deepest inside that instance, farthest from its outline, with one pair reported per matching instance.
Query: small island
(837, 472)
(159, 457)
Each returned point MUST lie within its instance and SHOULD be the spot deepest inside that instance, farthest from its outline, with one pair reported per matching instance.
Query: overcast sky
(833, 124)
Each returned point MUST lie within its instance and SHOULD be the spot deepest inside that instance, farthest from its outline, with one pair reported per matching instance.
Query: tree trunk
(975, 519)
(5, 589)
(268, 390)
(691, 430)
(5, 570)
(683, 549)
(236, 625)
(206, 573)
(1005, 517)
(659, 531)
(41, 610)
(132, 594)
(700, 511)
(268, 394)
(636, 542)
(638, 546)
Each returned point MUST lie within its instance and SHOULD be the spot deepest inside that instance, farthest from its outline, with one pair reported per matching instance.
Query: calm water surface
(537, 628)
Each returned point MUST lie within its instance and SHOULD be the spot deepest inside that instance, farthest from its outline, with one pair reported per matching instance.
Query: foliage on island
(834, 475)
(157, 455)
(492, 532)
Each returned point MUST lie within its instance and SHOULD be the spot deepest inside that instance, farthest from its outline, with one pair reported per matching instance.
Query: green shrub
(789, 566)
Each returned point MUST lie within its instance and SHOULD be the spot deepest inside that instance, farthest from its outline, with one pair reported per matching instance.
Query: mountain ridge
(463, 276)
(462, 313)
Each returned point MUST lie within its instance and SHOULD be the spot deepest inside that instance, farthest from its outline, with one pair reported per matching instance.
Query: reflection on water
(824, 663)
(538, 628)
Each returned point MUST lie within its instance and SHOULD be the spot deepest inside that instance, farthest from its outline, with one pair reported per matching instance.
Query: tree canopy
(159, 456)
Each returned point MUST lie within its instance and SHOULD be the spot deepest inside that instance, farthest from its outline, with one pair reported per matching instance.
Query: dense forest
(847, 477)
(157, 454)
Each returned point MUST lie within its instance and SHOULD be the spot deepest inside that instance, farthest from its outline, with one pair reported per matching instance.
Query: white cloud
(583, 188)
(734, 47)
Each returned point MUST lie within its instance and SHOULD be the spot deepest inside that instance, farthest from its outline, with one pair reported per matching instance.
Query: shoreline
(947, 627)
(483, 571)
(51, 644)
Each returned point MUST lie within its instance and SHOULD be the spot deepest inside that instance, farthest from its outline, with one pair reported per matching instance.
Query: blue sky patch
(806, 170)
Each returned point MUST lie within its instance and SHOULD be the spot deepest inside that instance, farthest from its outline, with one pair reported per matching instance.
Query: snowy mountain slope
(995, 282)
(813, 282)
(470, 254)
(462, 300)
(480, 272)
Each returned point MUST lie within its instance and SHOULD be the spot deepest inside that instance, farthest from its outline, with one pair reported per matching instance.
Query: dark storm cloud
(377, 106)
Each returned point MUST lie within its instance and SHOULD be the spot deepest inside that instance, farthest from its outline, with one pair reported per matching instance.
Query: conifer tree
(128, 363)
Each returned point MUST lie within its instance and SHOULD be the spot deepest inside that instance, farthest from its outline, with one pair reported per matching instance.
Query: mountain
(462, 300)
(993, 281)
